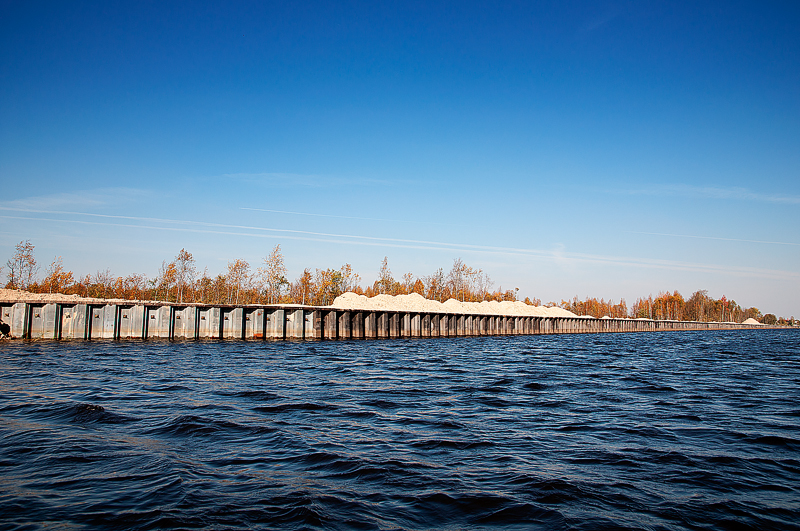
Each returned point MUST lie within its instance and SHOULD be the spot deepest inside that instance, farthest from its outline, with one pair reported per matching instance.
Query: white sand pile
(16, 295)
(346, 301)
(751, 321)
(417, 303)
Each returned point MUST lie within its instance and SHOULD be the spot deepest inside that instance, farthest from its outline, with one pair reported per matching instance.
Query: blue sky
(608, 149)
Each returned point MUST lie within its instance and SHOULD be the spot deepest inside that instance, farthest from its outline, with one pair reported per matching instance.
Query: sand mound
(347, 301)
(16, 295)
(751, 321)
(417, 303)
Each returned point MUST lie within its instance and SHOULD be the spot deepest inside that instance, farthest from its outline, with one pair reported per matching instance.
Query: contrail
(402, 243)
(247, 227)
(343, 217)
(711, 238)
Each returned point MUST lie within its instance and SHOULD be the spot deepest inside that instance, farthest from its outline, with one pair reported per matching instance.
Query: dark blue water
(695, 430)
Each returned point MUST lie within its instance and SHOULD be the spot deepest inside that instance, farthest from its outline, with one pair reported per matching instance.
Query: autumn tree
(202, 288)
(419, 288)
(57, 280)
(697, 306)
(350, 279)
(724, 304)
(303, 287)
(434, 285)
(752, 313)
(238, 278)
(185, 272)
(165, 280)
(133, 287)
(643, 308)
(273, 275)
(220, 289)
(481, 284)
(385, 279)
(101, 284)
(328, 286)
(407, 283)
(458, 278)
(22, 266)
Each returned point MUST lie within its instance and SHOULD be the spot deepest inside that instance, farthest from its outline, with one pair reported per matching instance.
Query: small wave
(316, 458)
(672, 459)
(253, 395)
(93, 413)
(522, 512)
(166, 388)
(493, 401)
(463, 389)
(552, 491)
(607, 458)
(304, 406)
(440, 509)
(648, 432)
(554, 404)
(498, 386)
(723, 459)
(359, 414)
(339, 467)
(307, 516)
(773, 488)
(687, 417)
(433, 444)
(576, 428)
(448, 424)
(778, 441)
(653, 388)
(381, 404)
(190, 425)
(535, 386)
(362, 473)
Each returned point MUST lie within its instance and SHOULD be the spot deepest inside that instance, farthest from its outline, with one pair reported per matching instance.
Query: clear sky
(607, 149)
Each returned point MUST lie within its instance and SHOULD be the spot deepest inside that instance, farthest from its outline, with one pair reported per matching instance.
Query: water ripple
(625, 431)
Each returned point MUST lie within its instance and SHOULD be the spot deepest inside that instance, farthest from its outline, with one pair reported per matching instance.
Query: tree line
(179, 280)
(671, 306)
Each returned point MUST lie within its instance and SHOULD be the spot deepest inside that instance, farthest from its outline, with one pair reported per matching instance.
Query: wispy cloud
(85, 199)
(713, 192)
(712, 238)
(559, 255)
(312, 214)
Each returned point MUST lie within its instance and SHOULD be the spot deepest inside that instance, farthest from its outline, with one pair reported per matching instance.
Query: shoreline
(349, 301)
(87, 320)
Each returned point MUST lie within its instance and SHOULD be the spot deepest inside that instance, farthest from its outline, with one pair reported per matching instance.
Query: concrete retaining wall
(171, 321)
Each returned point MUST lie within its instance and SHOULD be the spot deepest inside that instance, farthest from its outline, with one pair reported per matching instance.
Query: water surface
(675, 430)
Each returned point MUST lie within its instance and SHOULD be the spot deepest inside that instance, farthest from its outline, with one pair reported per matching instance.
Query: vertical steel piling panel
(308, 324)
(358, 325)
(370, 325)
(345, 325)
(18, 320)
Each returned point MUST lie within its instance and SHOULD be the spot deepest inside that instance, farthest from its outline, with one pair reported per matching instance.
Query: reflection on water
(628, 431)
